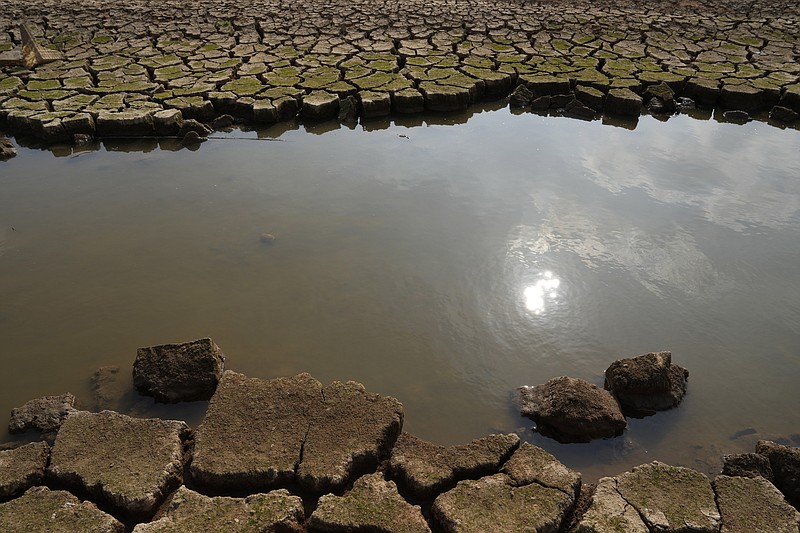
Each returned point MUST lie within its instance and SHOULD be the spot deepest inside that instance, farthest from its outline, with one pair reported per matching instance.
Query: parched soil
(265, 61)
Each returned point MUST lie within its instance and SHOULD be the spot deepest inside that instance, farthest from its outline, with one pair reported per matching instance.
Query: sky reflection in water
(443, 265)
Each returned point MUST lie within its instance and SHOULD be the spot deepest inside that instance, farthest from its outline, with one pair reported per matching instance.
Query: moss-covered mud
(152, 475)
(729, 54)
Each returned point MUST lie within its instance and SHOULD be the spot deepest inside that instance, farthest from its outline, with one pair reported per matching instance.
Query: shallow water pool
(441, 262)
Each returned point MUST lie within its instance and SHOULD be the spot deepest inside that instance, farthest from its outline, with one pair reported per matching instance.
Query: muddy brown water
(443, 261)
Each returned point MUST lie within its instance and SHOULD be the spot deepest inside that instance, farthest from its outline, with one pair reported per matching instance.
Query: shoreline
(154, 71)
(292, 454)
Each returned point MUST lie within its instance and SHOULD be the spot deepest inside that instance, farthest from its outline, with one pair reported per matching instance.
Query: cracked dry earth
(291, 455)
(136, 67)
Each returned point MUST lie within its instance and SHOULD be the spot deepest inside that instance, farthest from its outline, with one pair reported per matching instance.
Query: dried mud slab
(261, 434)
(130, 464)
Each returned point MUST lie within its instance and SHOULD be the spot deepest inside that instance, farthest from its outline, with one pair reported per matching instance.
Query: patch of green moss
(246, 86)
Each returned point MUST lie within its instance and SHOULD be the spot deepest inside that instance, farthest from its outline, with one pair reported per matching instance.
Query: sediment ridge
(141, 68)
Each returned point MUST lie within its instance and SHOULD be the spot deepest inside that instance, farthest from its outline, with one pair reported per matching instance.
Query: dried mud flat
(139, 68)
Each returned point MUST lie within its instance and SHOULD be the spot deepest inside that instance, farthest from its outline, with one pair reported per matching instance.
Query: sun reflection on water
(545, 288)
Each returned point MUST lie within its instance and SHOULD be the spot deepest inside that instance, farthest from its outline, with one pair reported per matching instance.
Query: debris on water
(267, 238)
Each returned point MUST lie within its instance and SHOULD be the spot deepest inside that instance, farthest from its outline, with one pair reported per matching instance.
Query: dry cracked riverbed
(291, 455)
(134, 68)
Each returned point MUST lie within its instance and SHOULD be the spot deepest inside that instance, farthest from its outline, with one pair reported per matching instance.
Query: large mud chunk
(253, 432)
(427, 469)
(670, 498)
(647, 383)
(261, 434)
(531, 464)
(55, 511)
(347, 433)
(22, 468)
(494, 504)
(179, 372)
(130, 464)
(189, 511)
(132, 123)
(750, 505)
(42, 414)
(609, 512)
(372, 505)
(167, 122)
(744, 97)
(747, 465)
(445, 97)
(785, 464)
(572, 410)
(623, 102)
(320, 105)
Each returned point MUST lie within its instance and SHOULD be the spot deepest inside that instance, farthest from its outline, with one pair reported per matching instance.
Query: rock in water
(572, 410)
(647, 383)
(42, 414)
(179, 372)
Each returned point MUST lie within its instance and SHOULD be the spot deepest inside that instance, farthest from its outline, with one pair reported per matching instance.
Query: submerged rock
(427, 469)
(190, 511)
(109, 389)
(647, 383)
(373, 504)
(572, 410)
(128, 463)
(494, 503)
(750, 505)
(785, 464)
(179, 372)
(55, 511)
(22, 468)
(261, 434)
(42, 414)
